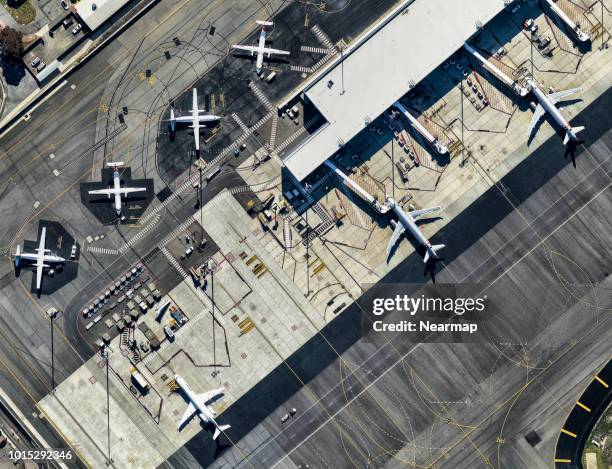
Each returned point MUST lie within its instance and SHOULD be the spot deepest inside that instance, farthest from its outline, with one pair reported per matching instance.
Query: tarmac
(60, 129)
(524, 249)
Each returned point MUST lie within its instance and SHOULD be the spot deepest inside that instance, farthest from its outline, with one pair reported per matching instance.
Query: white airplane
(407, 222)
(40, 258)
(196, 119)
(198, 403)
(117, 190)
(547, 104)
(261, 48)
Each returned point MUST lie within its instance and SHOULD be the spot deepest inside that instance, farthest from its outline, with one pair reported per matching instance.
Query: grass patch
(23, 12)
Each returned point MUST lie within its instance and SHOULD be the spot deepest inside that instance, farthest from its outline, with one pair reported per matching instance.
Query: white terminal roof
(95, 12)
(380, 70)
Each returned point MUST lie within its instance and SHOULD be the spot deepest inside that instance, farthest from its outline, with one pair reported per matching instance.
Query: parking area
(118, 305)
(54, 44)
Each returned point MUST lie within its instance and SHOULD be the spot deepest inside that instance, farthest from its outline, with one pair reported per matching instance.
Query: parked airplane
(407, 222)
(117, 190)
(196, 119)
(547, 104)
(40, 258)
(198, 403)
(261, 48)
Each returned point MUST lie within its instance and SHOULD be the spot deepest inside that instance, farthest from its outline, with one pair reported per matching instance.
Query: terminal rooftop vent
(94, 7)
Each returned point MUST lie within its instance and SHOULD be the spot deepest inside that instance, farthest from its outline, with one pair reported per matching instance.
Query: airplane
(40, 258)
(547, 104)
(198, 403)
(117, 190)
(195, 119)
(407, 222)
(261, 48)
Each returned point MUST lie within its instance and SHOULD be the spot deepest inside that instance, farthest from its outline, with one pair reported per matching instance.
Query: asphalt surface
(396, 402)
(229, 81)
(66, 133)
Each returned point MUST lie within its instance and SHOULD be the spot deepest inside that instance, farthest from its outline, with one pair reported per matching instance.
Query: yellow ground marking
(567, 432)
(601, 381)
(580, 404)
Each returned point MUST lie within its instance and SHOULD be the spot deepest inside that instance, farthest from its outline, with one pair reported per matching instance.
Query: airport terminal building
(416, 37)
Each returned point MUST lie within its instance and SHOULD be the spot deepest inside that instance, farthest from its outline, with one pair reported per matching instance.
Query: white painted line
(347, 404)
(570, 218)
(18, 110)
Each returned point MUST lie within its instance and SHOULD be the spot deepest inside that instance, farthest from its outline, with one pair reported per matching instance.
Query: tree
(11, 42)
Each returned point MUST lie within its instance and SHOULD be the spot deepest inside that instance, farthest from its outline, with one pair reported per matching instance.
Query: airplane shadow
(268, 61)
(430, 268)
(571, 149)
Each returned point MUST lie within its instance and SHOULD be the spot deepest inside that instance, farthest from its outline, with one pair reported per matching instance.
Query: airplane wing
(559, 95)
(251, 49)
(101, 191)
(270, 51)
(418, 213)
(187, 415)
(210, 395)
(399, 230)
(537, 115)
(40, 258)
(195, 99)
(127, 190)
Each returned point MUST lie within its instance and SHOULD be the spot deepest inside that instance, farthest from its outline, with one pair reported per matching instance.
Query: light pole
(200, 164)
(104, 353)
(52, 313)
(603, 30)
(211, 268)
(341, 47)
(462, 163)
(531, 48)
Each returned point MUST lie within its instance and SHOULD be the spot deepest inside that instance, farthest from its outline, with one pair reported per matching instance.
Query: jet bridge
(580, 34)
(360, 191)
(512, 84)
(440, 147)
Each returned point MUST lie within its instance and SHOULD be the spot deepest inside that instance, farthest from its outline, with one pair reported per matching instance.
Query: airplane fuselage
(117, 187)
(408, 223)
(260, 54)
(552, 110)
(37, 258)
(204, 412)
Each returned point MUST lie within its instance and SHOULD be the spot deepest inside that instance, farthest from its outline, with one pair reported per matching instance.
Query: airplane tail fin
(566, 138)
(574, 131)
(432, 252)
(264, 23)
(219, 429)
(172, 120)
(17, 255)
(578, 129)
